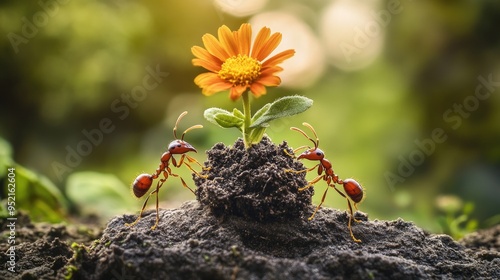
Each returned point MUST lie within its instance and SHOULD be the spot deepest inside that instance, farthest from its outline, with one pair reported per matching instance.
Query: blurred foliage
(30, 191)
(102, 195)
(86, 62)
(456, 218)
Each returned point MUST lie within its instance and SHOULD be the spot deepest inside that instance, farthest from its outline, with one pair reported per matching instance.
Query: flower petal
(205, 59)
(209, 65)
(205, 79)
(258, 89)
(277, 59)
(236, 92)
(216, 87)
(230, 44)
(227, 40)
(269, 46)
(260, 41)
(270, 80)
(214, 47)
(243, 38)
(270, 70)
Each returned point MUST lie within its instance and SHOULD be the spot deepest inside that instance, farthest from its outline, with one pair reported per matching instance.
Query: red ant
(143, 182)
(352, 188)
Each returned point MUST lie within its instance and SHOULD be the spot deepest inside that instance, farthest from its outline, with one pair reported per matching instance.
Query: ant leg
(182, 180)
(351, 216)
(349, 225)
(158, 186)
(190, 159)
(146, 202)
(292, 155)
(174, 162)
(195, 172)
(142, 210)
(300, 171)
(321, 203)
(157, 210)
(186, 186)
(349, 203)
(311, 183)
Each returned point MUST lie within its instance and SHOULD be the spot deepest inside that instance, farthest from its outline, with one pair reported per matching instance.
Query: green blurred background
(385, 77)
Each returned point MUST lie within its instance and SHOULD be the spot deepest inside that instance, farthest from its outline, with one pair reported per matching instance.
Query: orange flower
(236, 65)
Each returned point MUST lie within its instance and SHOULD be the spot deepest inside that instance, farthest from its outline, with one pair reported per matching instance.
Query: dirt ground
(249, 222)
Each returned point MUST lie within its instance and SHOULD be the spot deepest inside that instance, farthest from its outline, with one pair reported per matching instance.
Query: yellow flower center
(240, 70)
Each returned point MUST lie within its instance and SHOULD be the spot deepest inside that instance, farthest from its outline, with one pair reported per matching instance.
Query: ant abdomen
(142, 184)
(354, 190)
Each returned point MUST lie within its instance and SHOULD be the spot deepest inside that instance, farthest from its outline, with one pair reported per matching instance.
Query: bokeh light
(307, 65)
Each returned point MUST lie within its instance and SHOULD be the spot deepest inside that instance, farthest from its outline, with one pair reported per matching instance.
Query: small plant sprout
(236, 65)
(353, 190)
(143, 182)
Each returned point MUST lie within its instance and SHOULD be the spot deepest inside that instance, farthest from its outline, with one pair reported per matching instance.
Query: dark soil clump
(191, 243)
(251, 223)
(42, 250)
(253, 184)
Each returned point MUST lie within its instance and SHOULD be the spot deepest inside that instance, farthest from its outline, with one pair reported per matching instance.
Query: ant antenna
(177, 122)
(184, 133)
(191, 128)
(316, 143)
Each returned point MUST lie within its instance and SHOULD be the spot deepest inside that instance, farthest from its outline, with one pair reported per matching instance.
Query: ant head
(312, 154)
(180, 147)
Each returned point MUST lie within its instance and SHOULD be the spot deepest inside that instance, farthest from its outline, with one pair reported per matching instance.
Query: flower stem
(248, 119)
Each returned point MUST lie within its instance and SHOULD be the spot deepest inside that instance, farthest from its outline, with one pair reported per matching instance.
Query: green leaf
(261, 112)
(256, 134)
(222, 118)
(283, 107)
(227, 121)
(210, 113)
(238, 113)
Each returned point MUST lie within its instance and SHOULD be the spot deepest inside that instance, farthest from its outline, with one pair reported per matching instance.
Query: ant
(143, 182)
(352, 188)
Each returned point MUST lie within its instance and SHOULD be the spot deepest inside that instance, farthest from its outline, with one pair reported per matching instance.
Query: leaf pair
(283, 107)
